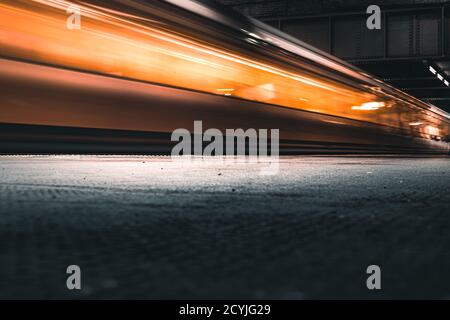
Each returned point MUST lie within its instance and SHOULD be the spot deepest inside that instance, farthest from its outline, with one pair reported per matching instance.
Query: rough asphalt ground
(147, 227)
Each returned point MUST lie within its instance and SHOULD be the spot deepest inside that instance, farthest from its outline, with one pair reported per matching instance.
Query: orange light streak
(142, 48)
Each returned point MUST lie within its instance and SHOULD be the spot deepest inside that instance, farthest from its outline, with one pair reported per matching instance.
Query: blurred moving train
(136, 70)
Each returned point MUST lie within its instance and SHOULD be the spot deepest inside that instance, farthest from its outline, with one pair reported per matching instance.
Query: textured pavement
(147, 227)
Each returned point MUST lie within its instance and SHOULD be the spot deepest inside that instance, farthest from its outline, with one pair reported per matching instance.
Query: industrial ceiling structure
(411, 51)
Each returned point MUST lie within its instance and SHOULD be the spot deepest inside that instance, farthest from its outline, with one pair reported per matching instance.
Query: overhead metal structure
(411, 39)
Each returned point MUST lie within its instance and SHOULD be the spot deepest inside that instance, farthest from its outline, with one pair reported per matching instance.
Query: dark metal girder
(409, 79)
(435, 99)
(427, 88)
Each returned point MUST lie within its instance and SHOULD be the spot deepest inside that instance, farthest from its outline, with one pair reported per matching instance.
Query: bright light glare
(369, 106)
(432, 130)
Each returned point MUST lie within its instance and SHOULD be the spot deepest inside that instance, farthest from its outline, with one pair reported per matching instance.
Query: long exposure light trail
(128, 45)
(107, 41)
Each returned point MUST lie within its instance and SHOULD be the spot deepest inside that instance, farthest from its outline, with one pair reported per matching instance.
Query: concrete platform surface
(149, 227)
